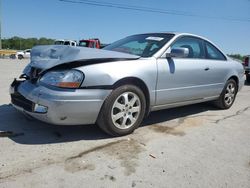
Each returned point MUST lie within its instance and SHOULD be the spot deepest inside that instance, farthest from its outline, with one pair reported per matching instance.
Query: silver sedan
(116, 87)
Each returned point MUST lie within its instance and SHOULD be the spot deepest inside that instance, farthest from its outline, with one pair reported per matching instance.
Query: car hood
(49, 56)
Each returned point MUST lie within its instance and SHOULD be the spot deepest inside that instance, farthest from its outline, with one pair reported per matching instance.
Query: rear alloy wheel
(228, 95)
(122, 111)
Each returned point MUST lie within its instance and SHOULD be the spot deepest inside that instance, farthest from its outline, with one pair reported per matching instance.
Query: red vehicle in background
(90, 43)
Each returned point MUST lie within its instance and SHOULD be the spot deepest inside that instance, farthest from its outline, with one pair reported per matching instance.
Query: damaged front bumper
(55, 105)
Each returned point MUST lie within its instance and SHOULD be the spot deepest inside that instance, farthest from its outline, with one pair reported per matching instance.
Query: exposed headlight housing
(64, 78)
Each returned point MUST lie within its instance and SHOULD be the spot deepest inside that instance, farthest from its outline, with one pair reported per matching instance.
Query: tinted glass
(83, 43)
(213, 53)
(59, 42)
(144, 45)
(194, 45)
(66, 43)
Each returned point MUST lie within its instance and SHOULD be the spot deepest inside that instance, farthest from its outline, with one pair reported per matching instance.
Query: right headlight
(64, 79)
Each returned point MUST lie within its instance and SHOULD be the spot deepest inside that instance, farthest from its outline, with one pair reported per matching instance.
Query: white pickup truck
(247, 68)
(23, 54)
(65, 42)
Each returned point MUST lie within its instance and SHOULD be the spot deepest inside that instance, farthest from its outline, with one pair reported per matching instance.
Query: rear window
(83, 44)
(59, 42)
(213, 52)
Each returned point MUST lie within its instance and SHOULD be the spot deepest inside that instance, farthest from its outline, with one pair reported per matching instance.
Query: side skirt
(183, 103)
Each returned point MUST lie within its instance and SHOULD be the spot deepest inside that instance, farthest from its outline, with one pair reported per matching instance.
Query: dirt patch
(166, 130)
(98, 148)
(177, 128)
(126, 151)
(26, 170)
(78, 165)
(190, 122)
(111, 178)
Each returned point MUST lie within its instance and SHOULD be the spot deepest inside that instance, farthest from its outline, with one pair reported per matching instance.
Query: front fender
(107, 74)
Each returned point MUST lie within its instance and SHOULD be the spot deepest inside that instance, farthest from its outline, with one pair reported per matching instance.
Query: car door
(183, 79)
(218, 68)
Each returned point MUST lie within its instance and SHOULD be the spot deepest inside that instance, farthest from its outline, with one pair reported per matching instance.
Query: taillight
(246, 61)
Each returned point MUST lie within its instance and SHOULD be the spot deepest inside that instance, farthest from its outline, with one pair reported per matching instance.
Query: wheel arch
(236, 79)
(136, 82)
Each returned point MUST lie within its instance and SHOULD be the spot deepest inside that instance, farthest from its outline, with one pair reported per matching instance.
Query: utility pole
(0, 24)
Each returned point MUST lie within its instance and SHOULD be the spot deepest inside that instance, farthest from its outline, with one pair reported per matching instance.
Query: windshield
(144, 45)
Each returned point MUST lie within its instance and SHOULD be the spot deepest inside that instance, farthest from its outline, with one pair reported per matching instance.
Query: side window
(194, 45)
(213, 53)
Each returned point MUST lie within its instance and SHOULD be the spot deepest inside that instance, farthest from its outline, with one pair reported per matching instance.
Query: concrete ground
(192, 146)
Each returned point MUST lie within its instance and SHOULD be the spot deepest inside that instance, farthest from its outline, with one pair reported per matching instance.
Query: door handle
(206, 69)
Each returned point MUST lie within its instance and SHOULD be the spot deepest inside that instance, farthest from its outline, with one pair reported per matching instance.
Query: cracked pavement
(191, 146)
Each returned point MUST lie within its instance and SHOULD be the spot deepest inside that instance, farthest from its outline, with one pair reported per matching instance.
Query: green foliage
(18, 43)
(237, 56)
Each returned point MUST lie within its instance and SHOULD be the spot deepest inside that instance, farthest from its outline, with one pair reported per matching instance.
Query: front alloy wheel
(126, 110)
(122, 111)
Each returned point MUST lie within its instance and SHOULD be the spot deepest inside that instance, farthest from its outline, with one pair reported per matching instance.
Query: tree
(18, 43)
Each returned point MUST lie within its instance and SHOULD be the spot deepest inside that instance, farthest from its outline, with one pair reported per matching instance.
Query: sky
(224, 22)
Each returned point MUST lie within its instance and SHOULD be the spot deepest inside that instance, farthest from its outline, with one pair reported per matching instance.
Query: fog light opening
(40, 108)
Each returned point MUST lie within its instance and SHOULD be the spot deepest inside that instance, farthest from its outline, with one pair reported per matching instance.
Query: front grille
(19, 100)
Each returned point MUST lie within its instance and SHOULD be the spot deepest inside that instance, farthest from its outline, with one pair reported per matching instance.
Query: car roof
(177, 34)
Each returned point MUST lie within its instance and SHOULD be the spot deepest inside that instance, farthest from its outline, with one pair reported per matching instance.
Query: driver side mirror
(177, 52)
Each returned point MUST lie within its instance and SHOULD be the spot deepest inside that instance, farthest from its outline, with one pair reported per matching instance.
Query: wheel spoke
(132, 119)
(124, 122)
(117, 116)
(135, 109)
(119, 106)
(132, 101)
(232, 90)
(227, 95)
(125, 97)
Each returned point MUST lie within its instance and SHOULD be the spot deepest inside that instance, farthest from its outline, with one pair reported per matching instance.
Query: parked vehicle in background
(118, 86)
(65, 42)
(90, 43)
(23, 54)
(247, 67)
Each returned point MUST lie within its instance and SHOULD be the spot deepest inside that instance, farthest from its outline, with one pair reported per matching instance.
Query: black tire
(223, 101)
(106, 116)
(248, 78)
(20, 57)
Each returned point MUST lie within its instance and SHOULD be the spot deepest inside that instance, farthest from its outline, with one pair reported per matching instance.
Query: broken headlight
(64, 78)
